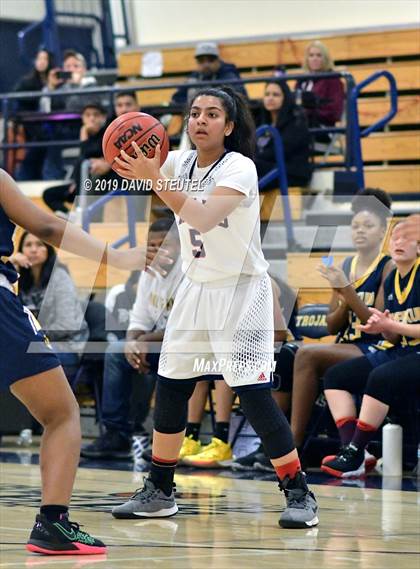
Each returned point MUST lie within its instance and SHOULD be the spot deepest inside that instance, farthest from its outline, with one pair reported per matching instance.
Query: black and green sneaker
(62, 538)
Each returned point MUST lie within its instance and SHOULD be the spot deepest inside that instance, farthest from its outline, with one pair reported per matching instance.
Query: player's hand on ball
(139, 167)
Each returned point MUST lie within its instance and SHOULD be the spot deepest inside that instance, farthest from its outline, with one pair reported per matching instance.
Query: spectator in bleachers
(91, 133)
(357, 286)
(74, 63)
(323, 99)
(133, 359)
(125, 103)
(38, 163)
(35, 80)
(61, 316)
(119, 302)
(209, 68)
(279, 110)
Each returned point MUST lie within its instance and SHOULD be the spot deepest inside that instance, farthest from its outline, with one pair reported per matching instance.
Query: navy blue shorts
(18, 331)
(380, 357)
(363, 347)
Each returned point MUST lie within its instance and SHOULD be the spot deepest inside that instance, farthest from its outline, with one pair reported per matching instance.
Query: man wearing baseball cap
(209, 68)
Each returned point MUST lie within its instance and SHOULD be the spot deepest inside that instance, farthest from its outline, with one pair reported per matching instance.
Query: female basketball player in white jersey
(36, 377)
(222, 318)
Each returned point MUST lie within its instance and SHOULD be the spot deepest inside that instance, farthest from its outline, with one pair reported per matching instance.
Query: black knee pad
(381, 387)
(171, 405)
(268, 421)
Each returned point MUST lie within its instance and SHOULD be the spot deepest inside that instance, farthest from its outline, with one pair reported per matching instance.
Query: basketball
(137, 127)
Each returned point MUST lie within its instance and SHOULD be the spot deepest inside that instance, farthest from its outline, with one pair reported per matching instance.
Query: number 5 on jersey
(198, 250)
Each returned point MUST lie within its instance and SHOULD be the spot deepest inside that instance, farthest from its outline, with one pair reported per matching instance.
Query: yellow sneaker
(211, 456)
(189, 447)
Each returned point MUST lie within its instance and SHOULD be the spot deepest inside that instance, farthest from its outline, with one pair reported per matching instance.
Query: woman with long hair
(323, 98)
(280, 111)
(61, 316)
(222, 318)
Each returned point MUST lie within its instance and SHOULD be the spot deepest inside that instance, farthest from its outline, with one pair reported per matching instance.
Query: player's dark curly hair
(242, 138)
(374, 200)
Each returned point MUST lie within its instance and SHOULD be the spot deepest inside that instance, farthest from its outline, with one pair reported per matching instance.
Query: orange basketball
(141, 128)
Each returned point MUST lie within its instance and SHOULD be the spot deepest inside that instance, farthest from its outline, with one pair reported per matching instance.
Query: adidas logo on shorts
(262, 377)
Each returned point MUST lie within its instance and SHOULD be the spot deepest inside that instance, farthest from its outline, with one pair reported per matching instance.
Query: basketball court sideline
(222, 521)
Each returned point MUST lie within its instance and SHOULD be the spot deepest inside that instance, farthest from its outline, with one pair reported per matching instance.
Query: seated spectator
(322, 99)
(38, 163)
(135, 359)
(35, 80)
(61, 316)
(357, 286)
(383, 375)
(125, 103)
(91, 133)
(119, 302)
(75, 64)
(209, 68)
(279, 110)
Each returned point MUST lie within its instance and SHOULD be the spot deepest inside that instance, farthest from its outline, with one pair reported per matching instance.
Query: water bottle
(392, 450)
(25, 438)
(298, 97)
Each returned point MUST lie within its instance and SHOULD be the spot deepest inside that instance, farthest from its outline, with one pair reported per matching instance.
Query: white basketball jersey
(154, 300)
(233, 247)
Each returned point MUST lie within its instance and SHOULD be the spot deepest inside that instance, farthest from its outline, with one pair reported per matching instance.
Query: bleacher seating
(361, 54)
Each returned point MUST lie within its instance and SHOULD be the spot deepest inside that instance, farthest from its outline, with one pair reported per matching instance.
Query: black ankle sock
(194, 430)
(222, 431)
(162, 474)
(52, 512)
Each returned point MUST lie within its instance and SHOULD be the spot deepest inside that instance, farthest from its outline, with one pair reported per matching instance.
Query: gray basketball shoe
(301, 510)
(147, 502)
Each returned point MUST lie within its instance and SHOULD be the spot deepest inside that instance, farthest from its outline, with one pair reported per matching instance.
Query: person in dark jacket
(91, 133)
(323, 99)
(279, 110)
(35, 80)
(38, 163)
(209, 68)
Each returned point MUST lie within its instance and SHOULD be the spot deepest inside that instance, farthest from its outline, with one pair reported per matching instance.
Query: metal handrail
(7, 98)
(356, 133)
(279, 173)
(87, 211)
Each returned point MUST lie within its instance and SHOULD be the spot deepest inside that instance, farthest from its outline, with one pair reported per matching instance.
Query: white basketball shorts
(221, 328)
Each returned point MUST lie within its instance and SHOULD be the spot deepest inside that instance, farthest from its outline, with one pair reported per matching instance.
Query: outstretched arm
(64, 235)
